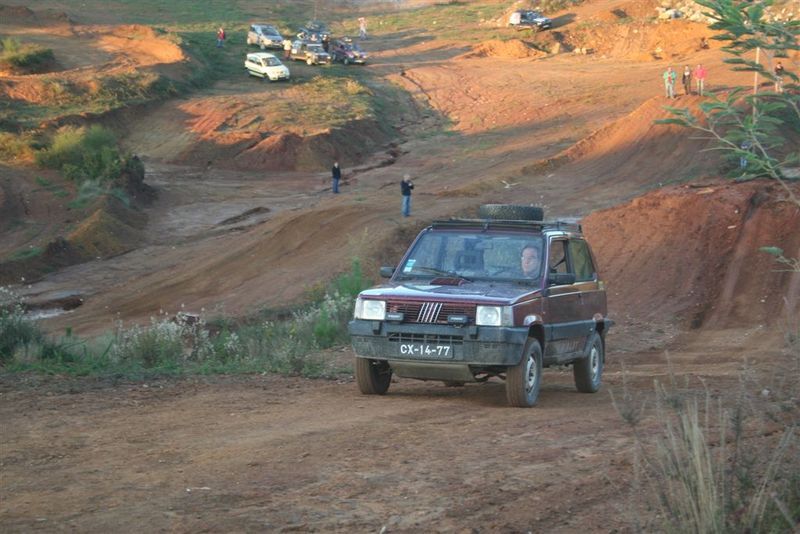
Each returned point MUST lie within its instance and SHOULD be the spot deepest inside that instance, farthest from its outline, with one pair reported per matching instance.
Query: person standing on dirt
(687, 80)
(669, 82)
(700, 74)
(362, 28)
(325, 42)
(336, 175)
(287, 49)
(405, 189)
(220, 37)
(779, 77)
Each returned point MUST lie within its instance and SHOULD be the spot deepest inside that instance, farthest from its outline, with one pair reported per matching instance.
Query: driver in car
(531, 261)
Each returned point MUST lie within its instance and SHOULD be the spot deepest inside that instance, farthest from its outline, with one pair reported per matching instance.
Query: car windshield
(272, 62)
(314, 47)
(317, 26)
(474, 256)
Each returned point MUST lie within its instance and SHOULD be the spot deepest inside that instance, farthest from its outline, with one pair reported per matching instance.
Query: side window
(581, 260)
(557, 261)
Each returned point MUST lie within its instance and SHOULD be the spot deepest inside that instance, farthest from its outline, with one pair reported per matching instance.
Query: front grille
(431, 312)
(431, 339)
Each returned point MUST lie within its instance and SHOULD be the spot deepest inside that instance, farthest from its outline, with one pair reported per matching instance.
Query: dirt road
(277, 454)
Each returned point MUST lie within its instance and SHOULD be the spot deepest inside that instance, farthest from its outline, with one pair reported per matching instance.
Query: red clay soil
(692, 252)
(692, 295)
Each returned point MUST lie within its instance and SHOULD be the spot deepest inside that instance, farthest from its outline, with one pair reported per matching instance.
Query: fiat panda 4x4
(504, 295)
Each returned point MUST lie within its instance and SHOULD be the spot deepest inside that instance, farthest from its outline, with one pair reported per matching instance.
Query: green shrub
(13, 146)
(83, 154)
(24, 57)
(15, 330)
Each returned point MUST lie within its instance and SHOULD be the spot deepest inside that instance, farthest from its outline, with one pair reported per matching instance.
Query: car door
(587, 283)
(564, 317)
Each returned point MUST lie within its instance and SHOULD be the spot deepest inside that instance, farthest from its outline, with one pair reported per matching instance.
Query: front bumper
(479, 346)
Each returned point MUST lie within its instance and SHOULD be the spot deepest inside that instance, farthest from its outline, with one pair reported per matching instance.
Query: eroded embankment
(693, 252)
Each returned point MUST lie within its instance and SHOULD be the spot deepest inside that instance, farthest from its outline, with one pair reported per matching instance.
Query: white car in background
(267, 66)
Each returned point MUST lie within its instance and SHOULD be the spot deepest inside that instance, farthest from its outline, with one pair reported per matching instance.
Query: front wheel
(588, 371)
(309, 61)
(346, 61)
(262, 46)
(373, 376)
(524, 379)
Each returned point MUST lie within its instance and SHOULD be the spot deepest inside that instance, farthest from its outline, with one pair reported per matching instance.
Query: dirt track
(571, 133)
(267, 453)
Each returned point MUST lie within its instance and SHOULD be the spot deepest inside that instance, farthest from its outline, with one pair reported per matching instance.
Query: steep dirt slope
(692, 254)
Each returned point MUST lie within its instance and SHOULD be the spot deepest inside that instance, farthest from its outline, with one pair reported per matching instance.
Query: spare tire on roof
(511, 212)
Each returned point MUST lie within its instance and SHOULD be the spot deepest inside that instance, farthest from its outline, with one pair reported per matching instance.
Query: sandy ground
(572, 133)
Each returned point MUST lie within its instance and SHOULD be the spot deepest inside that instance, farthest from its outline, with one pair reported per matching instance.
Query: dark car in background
(265, 36)
(314, 31)
(527, 19)
(346, 51)
(500, 296)
(311, 53)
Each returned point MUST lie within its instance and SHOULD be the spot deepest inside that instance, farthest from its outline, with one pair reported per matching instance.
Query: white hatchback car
(266, 65)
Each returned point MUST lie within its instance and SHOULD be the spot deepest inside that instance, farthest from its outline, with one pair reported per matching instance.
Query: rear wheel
(524, 379)
(588, 371)
(373, 376)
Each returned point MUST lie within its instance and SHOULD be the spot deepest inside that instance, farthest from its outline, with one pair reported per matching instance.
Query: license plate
(426, 350)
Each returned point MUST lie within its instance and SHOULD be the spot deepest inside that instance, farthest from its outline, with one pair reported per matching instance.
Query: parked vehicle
(314, 31)
(523, 19)
(266, 65)
(265, 36)
(500, 296)
(311, 53)
(347, 51)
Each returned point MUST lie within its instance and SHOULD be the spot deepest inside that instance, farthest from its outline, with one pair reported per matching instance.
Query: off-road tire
(309, 61)
(262, 46)
(524, 379)
(511, 212)
(346, 61)
(373, 376)
(588, 371)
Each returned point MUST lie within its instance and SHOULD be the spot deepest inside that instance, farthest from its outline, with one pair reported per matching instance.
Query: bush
(719, 465)
(83, 154)
(29, 58)
(14, 147)
(15, 330)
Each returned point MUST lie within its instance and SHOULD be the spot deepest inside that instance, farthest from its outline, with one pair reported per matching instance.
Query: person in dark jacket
(405, 188)
(336, 175)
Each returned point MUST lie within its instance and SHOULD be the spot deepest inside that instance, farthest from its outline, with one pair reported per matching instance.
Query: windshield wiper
(437, 272)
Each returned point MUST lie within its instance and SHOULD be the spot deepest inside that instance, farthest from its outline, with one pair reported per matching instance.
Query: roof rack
(500, 224)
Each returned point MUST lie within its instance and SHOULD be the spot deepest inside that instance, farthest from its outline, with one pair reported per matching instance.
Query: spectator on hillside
(779, 77)
(699, 74)
(669, 82)
(220, 37)
(405, 190)
(336, 175)
(362, 28)
(287, 49)
(687, 80)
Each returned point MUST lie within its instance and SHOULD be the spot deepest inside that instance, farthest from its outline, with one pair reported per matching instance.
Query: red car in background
(347, 51)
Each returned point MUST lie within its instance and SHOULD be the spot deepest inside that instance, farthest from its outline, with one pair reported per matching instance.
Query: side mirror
(387, 271)
(560, 279)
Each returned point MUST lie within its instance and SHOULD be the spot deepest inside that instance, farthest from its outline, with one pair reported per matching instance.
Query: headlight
(371, 310)
(493, 316)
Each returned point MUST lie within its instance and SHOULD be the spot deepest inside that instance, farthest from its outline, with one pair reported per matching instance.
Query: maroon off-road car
(462, 306)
